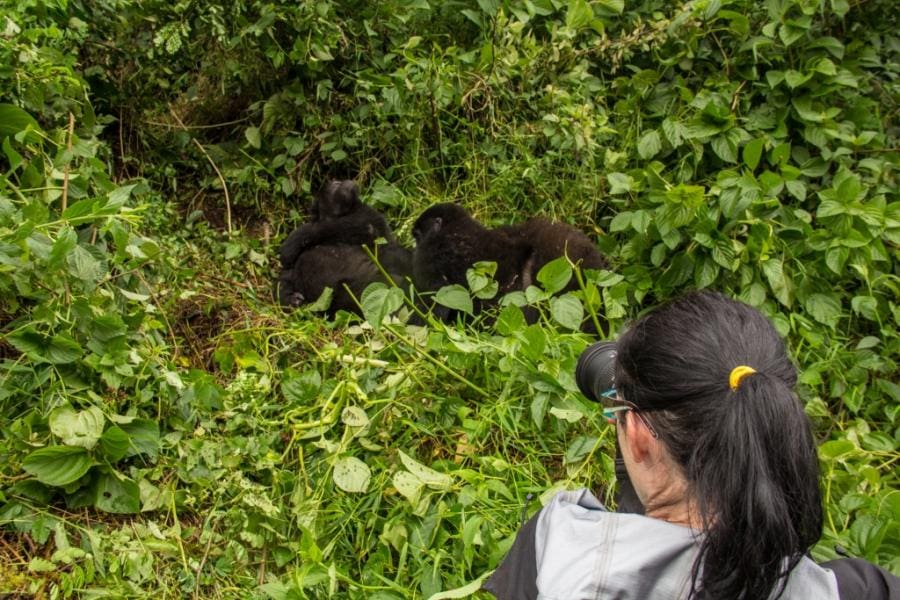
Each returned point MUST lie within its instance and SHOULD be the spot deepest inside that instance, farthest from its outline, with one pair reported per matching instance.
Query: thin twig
(65, 191)
(215, 168)
(200, 566)
(213, 126)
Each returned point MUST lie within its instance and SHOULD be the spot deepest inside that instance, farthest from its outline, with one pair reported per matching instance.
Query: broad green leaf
(77, 428)
(835, 449)
(649, 145)
(84, 266)
(301, 388)
(578, 14)
(58, 465)
(481, 279)
(621, 221)
(555, 275)
(580, 447)
(408, 485)
(14, 120)
(753, 152)
(567, 310)
(63, 245)
(57, 350)
(354, 416)
(253, 137)
(867, 532)
(824, 308)
(510, 319)
(455, 297)
(144, 435)
(378, 301)
(428, 476)
(117, 495)
(114, 443)
(619, 183)
(352, 475)
(780, 283)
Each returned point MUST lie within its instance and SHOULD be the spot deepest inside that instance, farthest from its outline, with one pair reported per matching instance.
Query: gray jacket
(577, 550)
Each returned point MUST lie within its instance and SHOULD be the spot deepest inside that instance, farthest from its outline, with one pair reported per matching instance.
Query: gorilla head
(336, 199)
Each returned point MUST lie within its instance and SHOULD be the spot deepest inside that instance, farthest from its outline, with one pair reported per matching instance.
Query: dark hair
(748, 454)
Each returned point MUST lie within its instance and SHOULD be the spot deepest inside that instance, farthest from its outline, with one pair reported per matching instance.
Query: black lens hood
(596, 369)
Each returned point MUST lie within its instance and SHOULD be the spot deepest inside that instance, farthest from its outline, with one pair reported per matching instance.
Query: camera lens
(596, 369)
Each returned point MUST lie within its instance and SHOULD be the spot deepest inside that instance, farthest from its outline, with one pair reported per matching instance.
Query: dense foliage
(167, 429)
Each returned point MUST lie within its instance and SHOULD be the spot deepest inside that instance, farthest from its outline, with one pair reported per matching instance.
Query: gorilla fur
(346, 269)
(449, 241)
(549, 241)
(338, 217)
(328, 252)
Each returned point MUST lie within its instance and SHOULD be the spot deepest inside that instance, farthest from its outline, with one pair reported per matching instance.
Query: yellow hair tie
(737, 374)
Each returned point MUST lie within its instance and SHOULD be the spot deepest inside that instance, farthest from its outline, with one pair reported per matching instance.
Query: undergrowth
(169, 431)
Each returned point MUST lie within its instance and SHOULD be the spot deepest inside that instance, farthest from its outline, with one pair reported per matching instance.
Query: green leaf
(480, 278)
(824, 308)
(649, 145)
(619, 183)
(14, 120)
(62, 247)
(354, 416)
(621, 221)
(408, 485)
(579, 448)
(253, 137)
(117, 495)
(455, 297)
(867, 532)
(465, 591)
(428, 476)
(866, 306)
(780, 283)
(753, 152)
(56, 350)
(836, 449)
(379, 300)
(352, 475)
(579, 14)
(41, 565)
(567, 311)
(82, 428)
(84, 266)
(114, 443)
(144, 435)
(555, 275)
(57, 465)
(510, 319)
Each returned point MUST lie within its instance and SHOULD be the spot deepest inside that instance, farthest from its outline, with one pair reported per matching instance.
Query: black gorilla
(549, 241)
(328, 252)
(449, 241)
(338, 217)
(346, 269)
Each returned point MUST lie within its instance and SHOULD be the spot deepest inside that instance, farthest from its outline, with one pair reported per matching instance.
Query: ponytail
(747, 450)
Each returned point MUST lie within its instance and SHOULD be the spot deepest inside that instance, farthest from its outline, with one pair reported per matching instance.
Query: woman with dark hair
(719, 457)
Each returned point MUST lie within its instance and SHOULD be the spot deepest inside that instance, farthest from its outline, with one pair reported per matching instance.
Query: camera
(595, 372)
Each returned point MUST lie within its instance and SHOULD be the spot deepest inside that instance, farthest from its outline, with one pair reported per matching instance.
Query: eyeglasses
(613, 404)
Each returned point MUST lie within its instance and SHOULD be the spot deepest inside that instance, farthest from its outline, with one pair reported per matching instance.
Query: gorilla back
(346, 269)
(449, 241)
(338, 217)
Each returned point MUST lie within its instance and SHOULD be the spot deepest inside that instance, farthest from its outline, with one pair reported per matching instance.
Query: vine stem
(65, 190)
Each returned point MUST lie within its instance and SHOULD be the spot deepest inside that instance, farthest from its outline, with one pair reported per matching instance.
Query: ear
(641, 443)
